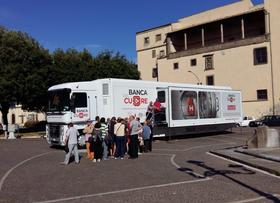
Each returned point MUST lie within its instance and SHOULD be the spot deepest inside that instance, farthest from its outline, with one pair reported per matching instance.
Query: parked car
(269, 120)
(246, 121)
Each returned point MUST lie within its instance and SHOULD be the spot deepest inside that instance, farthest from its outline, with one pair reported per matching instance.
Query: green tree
(70, 66)
(73, 66)
(28, 70)
(109, 65)
(24, 68)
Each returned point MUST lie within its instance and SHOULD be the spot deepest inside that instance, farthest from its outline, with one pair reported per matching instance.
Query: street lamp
(198, 80)
(155, 70)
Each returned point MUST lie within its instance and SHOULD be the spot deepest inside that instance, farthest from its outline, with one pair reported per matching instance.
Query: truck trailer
(186, 108)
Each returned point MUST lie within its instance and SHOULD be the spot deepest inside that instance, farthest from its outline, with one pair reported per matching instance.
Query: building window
(161, 53)
(262, 94)
(210, 80)
(155, 73)
(31, 117)
(260, 56)
(193, 62)
(21, 118)
(154, 53)
(175, 66)
(146, 40)
(158, 37)
(209, 64)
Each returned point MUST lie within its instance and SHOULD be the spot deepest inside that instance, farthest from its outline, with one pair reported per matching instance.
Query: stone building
(237, 45)
(18, 116)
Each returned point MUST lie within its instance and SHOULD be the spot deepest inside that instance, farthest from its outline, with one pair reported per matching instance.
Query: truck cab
(65, 105)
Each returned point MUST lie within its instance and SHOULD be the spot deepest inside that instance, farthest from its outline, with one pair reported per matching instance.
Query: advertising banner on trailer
(132, 100)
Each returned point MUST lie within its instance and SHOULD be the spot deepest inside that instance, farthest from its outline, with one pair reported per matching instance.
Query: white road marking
(254, 199)
(169, 150)
(124, 191)
(19, 164)
(246, 166)
(186, 171)
(172, 160)
(191, 148)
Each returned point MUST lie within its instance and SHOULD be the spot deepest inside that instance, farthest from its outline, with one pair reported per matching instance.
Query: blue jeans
(120, 142)
(105, 149)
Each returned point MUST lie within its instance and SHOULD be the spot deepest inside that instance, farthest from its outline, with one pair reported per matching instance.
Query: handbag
(97, 136)
(66, 149)
(118, 128)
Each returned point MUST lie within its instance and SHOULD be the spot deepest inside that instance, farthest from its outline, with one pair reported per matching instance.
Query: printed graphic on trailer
(209, 104)
(132, 101)
(187, 104)
(231, 104)
(81, 113)
(184, 105)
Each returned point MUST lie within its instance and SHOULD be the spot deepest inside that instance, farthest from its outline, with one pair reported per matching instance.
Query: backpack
(97, 135)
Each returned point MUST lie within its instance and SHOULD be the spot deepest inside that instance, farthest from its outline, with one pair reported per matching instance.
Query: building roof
(220, 13)
(154, 28)
(230, 10)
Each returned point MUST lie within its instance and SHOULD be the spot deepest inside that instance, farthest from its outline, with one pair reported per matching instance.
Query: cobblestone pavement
(180, 170)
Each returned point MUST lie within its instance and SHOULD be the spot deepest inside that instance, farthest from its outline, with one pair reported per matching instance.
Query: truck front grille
(54, 131)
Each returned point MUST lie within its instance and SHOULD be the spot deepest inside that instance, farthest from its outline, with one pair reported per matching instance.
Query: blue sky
(96, 25)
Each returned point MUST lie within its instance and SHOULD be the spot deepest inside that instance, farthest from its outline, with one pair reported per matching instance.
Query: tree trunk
(5, 111)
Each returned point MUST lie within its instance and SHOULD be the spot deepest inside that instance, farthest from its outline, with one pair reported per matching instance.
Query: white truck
(188, 109)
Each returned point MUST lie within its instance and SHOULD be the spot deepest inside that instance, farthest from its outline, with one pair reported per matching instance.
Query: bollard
(11, 130)
(264, 137)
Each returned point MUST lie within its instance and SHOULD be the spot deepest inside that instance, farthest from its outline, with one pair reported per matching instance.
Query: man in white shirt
(72, 140)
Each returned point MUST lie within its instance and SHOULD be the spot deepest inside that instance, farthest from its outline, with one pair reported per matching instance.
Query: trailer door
(161, 116)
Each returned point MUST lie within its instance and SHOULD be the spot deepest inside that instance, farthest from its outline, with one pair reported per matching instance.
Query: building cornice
(257, 8)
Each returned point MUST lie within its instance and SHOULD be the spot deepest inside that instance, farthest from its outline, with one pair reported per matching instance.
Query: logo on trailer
(137, 92)
(136, 97)
(231, 98)
(81, 115)
(190, 106)
(136, 101)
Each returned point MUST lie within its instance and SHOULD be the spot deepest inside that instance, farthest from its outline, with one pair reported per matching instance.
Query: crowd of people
(111, 138)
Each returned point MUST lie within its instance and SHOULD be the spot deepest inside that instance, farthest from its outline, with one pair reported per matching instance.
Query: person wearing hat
(88, 136)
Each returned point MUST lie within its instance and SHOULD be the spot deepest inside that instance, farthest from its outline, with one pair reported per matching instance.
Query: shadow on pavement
(210, 172)
(191, 136)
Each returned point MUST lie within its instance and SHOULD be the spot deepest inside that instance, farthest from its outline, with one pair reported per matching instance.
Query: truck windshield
(59, 100)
